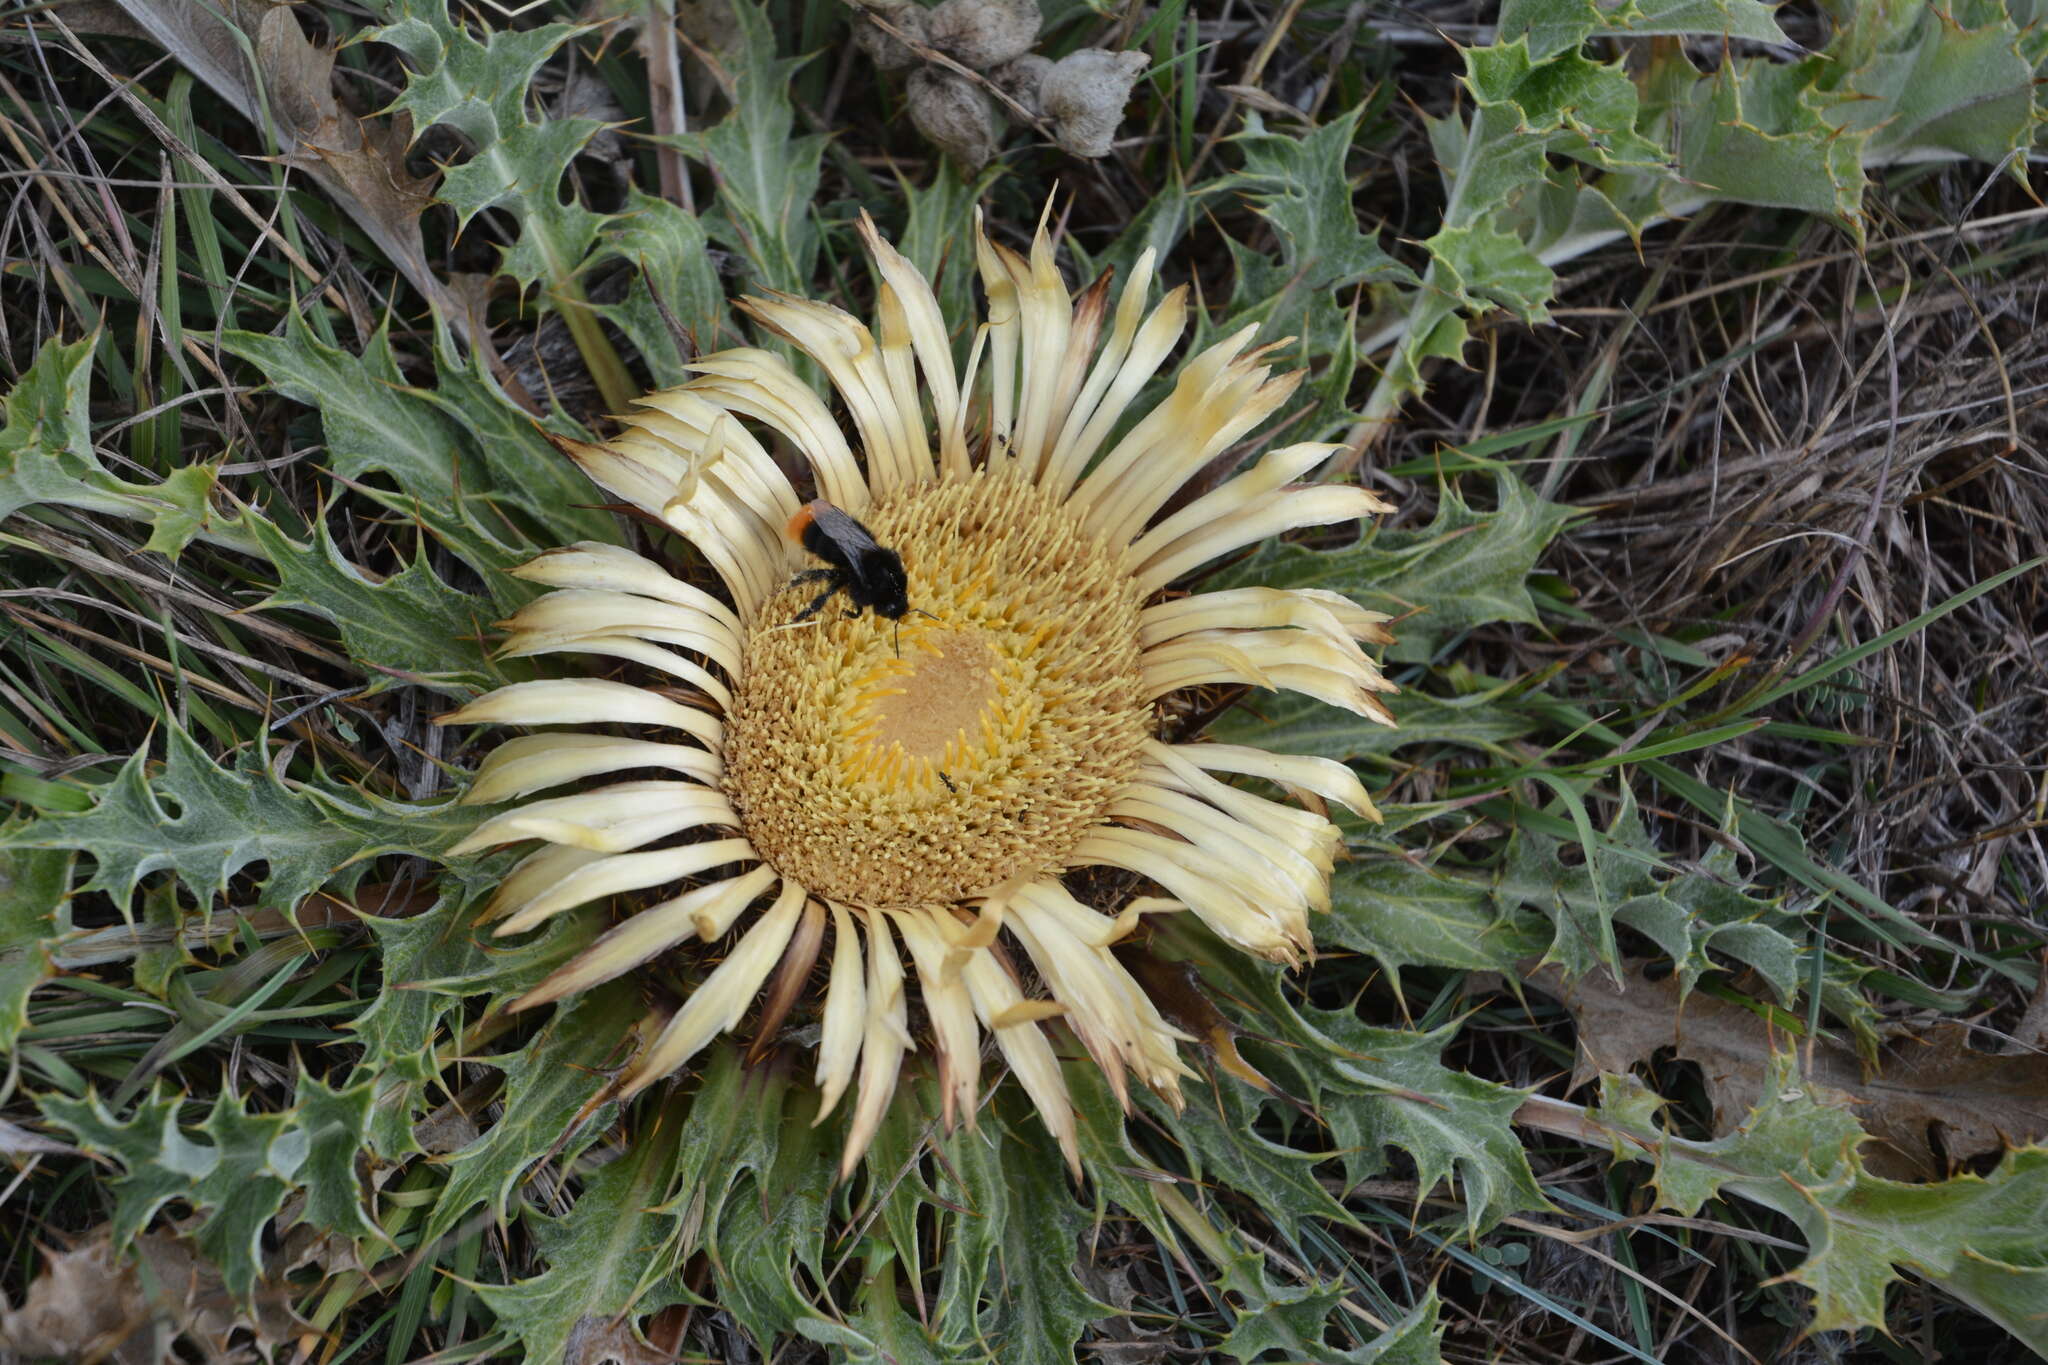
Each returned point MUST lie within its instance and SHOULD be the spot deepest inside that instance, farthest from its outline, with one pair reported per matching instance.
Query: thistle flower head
(902, 798)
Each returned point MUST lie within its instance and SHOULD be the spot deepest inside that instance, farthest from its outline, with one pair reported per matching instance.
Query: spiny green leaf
(1929, 85)
(1219, 1130)
(775, 1223)
(734, 1127)
(671, 255)
(1705, 909)
(528, 487)
(895, 1165)
(1220, 1135)
(47, 457)
(1120, 1176)
(335, 1123)
(1482, 267)
(46, 452)
(469, 469)
(1984, 1238)
(235, 1181)
(1009, 1288)
(35, 914)
(480, 86)
(1783, 845)
(186, 509)
(477, 87)
(767, 175)
(1566, 105)
(1897, 84)
(881, 1333)
(436, 946)
(1559, 220)
(975, 1238)
(1407, 915)
(374, 425)
(49, 409)
(1374, 1087)
(159, 1163)
(1295, 1322)
(1299, 186)
(1552, 26)
(556, 233)
(1526, 110)
(1388, 1088)
(1415, 1339)
(434, 962)
(611, 1254)
(1622, 879)
(1117, 1172)
(411, 624)
(1297, 1325)
(206, 823)
(547, 1084)
(1755, 132)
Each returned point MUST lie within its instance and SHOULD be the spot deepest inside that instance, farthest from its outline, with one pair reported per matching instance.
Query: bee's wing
(842, 530)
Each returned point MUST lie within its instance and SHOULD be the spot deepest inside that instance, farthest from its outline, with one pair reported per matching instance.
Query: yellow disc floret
(985, 748)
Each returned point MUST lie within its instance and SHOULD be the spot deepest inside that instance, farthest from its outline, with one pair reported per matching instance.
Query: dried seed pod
(883, 49)
(1084, 95)
(954, 114)
(1023, 79)
(984, 33)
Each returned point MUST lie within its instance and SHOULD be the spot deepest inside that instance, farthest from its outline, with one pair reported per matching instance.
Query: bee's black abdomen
(820, 544)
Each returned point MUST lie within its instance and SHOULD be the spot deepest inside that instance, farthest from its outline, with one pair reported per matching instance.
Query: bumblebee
(870, 575)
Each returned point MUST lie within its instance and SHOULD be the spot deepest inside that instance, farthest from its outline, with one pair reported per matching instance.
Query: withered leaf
(610, 1341)
(1176, 988)
(359, 163)
(98, 16)
(91, 1304)
(200, 38)
(18, 1141)
(1935, 1101)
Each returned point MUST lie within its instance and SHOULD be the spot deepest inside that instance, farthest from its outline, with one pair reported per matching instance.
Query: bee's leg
(822, 598)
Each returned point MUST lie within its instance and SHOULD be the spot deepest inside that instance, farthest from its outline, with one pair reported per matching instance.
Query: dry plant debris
(1932, 1104)
(134, 1306)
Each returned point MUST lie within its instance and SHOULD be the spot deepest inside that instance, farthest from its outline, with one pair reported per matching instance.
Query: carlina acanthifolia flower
(917, 787)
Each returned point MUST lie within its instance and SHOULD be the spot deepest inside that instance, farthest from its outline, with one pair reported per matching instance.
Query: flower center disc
(987, 748)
